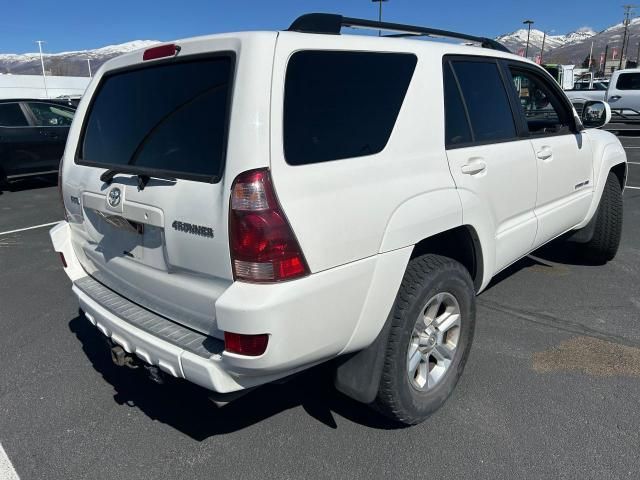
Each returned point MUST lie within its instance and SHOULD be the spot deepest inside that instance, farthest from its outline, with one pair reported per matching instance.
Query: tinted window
(11, 115)
(49, 115)
(342, 104)
(456, 125)
(486, 100)
(169, 117)
(542, 109)
(628, 81)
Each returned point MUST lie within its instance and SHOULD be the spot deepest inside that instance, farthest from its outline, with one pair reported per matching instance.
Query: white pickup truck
(241, 207)
(622, 93)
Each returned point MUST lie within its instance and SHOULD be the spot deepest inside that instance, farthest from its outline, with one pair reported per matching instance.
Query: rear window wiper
(143, 178)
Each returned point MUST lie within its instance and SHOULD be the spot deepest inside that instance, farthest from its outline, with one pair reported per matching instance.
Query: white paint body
(357, 220)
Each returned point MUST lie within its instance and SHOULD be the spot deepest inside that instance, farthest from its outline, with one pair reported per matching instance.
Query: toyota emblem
(114, 197)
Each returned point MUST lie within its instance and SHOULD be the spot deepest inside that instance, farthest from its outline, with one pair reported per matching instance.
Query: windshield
(170, 118)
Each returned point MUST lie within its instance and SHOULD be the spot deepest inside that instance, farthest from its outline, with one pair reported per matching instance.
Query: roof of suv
(408, 38)
(332, 24)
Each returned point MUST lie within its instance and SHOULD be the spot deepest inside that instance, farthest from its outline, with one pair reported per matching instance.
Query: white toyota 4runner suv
(241, 207)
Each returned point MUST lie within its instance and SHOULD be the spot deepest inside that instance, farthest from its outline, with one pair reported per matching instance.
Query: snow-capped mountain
(570, 48)
(67, 63)
(518, 40)
(577, 52)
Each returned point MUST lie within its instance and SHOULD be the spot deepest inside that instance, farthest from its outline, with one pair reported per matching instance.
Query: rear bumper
(308, 321)
(168, 350)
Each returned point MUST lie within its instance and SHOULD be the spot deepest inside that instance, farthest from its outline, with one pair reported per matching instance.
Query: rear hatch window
(169, 118)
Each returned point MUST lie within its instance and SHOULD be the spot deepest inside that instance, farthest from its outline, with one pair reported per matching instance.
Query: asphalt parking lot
(550, 391)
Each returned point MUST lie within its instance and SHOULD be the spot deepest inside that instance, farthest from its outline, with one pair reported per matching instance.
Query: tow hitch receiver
(122, 358)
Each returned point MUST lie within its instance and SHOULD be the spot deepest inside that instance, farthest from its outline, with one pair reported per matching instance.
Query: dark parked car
(33, 134)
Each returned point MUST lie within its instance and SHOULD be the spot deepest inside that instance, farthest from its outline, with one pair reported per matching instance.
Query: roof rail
(330, 23)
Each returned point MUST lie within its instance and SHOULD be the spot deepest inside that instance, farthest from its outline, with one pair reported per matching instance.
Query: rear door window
(486, 99)
(342, 104)
(169, 118)
(628, 81)
(11, 115)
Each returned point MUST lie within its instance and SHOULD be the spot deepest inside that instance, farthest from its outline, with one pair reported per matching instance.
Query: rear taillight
(263, 246)
(250, 345)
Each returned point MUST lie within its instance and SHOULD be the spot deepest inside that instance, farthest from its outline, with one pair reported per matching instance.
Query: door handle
(544, 153)
(615, 97)
(474, 166)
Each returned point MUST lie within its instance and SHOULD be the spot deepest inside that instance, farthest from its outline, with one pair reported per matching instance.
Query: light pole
(44, 75)
(544, 38)
(89, 65)
(528, 23)
(627, 20)
(379, 2)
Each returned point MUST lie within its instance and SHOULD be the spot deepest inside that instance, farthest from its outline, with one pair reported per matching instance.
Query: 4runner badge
(114, 197)
(193, 229)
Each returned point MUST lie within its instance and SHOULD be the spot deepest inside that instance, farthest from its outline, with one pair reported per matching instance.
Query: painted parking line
(7, 472)
(29, 228)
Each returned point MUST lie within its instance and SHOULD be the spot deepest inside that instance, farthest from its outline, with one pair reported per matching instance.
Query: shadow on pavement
(29, 183)
(557, 252)
(186, 407)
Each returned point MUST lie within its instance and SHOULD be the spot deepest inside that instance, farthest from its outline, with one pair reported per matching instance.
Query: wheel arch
(621, 170)
(461, 244)
(358, 373)
(609, 156)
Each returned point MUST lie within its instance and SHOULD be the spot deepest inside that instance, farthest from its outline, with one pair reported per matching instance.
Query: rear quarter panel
(346, 210)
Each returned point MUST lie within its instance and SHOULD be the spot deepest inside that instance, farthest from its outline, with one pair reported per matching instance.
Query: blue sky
(81, 24)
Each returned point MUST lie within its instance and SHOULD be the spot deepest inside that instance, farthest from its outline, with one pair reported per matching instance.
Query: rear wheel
(431, 332)
(603, 246)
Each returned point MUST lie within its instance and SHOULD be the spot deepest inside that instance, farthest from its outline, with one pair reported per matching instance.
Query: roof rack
(330, 23)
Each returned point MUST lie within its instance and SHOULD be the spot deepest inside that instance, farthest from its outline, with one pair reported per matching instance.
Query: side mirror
(595, 114)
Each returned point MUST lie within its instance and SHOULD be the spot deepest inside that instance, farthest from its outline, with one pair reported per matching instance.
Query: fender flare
(609, 155)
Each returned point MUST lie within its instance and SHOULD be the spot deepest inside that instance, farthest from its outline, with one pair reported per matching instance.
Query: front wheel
(432, 326)
(604, 244)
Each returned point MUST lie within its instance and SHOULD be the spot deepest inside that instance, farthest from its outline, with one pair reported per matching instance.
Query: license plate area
(122, 223)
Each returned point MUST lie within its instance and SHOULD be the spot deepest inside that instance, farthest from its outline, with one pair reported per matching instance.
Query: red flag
(601, 59)
(614, 54)
(521, 52)
(538, 59)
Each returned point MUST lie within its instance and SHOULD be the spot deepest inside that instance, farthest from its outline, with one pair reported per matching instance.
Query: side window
(486, 99)
(342, 104)
(542, 109)
(457, 129)
(49, 115)
(628, 81)
(11, 116)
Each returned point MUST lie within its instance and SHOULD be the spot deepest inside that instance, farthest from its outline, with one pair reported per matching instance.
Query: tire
(429, 279)
(604, 244)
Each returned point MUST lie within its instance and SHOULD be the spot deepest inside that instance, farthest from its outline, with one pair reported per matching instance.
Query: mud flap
(358, 374)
